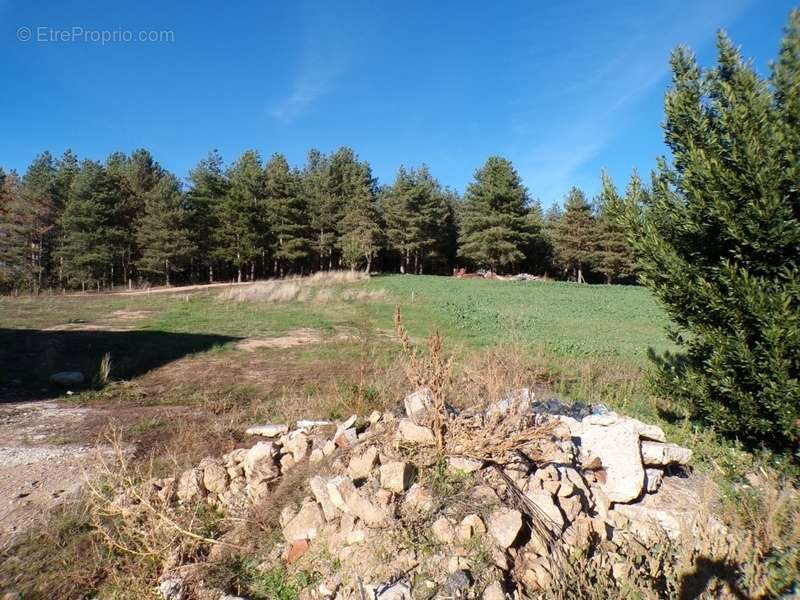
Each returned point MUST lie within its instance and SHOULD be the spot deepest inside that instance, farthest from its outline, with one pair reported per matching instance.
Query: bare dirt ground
(119, 320)
(46, 450)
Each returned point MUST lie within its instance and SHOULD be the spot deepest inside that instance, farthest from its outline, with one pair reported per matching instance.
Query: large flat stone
(617, 447)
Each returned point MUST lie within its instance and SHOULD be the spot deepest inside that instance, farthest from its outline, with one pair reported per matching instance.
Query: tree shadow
(29, 356)
(695, 583)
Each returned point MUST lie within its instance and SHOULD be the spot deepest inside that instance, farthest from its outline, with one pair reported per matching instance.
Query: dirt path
(165, 290)
(47, 449)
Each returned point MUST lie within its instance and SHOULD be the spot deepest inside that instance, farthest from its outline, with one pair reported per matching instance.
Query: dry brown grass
(321, 287)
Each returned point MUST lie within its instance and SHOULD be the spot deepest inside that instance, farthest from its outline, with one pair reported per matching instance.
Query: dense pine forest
(68, 223)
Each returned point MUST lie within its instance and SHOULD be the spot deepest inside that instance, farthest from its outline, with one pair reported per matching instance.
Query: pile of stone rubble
(385, 512)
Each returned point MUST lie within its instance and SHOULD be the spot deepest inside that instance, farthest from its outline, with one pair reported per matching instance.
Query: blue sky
(563, 89)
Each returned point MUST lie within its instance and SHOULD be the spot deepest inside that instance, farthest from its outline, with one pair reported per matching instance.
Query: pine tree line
(77, 224)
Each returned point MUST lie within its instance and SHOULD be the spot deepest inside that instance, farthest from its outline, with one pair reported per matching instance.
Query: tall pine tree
(239, 236)
(719, 242)
(287, 215)
(611, 254)
(209, 188)
(494, 217)
(162, 231)
(574, 234)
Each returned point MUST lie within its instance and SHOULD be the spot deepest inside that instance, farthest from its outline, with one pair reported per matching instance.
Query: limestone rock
(298, 445)
(657, 454)
(339, 491)
(319, 488)
(397, 476)
(544, 502)
(494, 591)
(418, 405)
(415, 434)
(215, 477)
(469, 527)
(617, 447)
(443, 530)
(190, 485)
(399, 590)
(269, 430)
(172, 589)
(505, 525)
(419, 498)
(458, 583)
(361, 465)
(652, 480)
(306, 523)
(346, 438)
(368, 511)
(259, 464)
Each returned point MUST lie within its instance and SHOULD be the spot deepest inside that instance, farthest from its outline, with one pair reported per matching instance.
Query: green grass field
(613, 325)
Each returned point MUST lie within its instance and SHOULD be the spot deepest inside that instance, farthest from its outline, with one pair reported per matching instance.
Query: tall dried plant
(431, 370)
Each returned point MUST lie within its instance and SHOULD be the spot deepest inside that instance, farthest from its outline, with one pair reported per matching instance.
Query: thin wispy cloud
(308, 87)
(586, 115)
(323, 55)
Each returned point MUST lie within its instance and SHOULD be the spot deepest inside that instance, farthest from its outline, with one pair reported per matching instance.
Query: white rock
(172, 589)
(370, 513)
(415, 434)
(652, 479)
(329, 448)
(306, 524)
(443, 530)
(418, 404)
(400, 590)
(544, 502)
(397, 476)
(190, 485)
(617, 447)
(319, 488)
(259, 464)
(270, 430)
(361, 465)
(298, 445)
(339, 491)
(494, 591)
(215, 477)
(418, 498)
(469, 527)
(656, 454)
(505, 525)
(355, 537)
(310, 424)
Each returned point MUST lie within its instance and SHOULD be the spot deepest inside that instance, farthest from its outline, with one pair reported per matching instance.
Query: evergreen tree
(611, 254)
(209, 187)
(162, 231)
(14, 253)
(352, 186)
(574, 234)
(538, 250)
(38, 215)
(239, 235)
(416, 213)
(287, 212)
(325, 212)
(90, 226)
(494, 217)
(719, 242)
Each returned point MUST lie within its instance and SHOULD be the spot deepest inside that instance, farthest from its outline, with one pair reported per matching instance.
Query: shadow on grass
(28, 356)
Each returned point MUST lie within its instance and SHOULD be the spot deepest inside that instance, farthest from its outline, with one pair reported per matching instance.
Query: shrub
(718, 240)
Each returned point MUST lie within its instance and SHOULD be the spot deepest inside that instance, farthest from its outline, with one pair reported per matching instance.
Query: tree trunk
(166, 271)
(210, 273)
(253, 271)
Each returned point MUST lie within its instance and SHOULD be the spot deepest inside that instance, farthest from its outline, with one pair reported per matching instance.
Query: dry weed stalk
(432, 371)
(130, 515)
